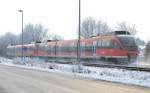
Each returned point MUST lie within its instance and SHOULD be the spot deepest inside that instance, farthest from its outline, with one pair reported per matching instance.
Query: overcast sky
(61, 16)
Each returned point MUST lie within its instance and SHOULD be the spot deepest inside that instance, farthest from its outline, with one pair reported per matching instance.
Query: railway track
(133, 68)
(105, 65)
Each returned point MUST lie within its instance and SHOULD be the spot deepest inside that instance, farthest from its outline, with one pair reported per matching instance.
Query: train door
(72, 49)
(59, 50)
(94, 48)
(83, 49)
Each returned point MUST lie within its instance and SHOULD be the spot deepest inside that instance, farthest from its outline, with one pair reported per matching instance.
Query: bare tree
(101, 28)
(57, 37)
(91, 27)
(39, 32)
(33, 33)
(87, 27)
(28, 33)
(127, 27)
(53, 37)
(6, 40)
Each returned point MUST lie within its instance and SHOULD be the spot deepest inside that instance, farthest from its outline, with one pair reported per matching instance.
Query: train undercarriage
(73, 59)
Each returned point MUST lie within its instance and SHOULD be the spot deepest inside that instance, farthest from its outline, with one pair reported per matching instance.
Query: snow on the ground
(107, 74)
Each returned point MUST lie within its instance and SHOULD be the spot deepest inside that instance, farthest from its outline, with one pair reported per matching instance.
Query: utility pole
(79, 32)
(21, 11)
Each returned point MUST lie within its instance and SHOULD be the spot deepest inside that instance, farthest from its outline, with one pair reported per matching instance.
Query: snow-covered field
(107, 74)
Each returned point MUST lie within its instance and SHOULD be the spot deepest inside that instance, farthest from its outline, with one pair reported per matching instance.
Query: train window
(128, 43)
(62, 48)
(65, 48)
(99, 43)
(53, 48)
(114, 44)
(40, 48)
(88, 47)
(71, 48)
(75, 47)
(58, 48)
(33, 48)
(49, 48)
(20, 49)
(83, 46)
(68, 48)
(106, 43)
(44, 48)
(94, 47)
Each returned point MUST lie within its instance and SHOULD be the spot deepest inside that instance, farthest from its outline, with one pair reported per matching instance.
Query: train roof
(109, 35)
(119, 33)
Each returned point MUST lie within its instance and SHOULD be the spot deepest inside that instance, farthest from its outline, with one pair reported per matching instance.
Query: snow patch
(108, 74)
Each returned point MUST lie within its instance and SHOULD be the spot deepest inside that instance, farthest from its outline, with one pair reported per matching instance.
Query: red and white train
(118, 45)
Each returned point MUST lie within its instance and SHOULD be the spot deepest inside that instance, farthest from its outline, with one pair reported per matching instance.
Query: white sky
(61, 16)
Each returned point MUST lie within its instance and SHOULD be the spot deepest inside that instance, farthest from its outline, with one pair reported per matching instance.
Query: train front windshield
(128, 43)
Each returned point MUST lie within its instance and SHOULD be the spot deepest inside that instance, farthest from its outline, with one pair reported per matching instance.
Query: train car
(118, 46)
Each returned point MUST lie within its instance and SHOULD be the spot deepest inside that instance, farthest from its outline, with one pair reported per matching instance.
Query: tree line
(31, 33)
(92, 27)
(89, 27)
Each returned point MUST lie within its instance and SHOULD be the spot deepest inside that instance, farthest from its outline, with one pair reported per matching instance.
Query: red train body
(119, 47)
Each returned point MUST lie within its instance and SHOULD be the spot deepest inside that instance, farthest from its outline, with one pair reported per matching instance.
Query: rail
(133, 68)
